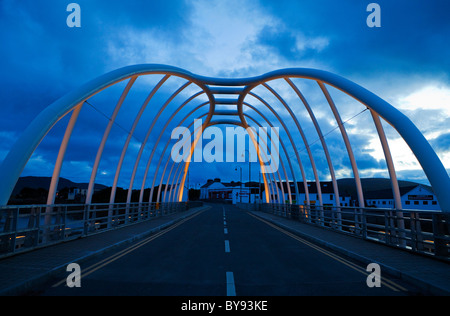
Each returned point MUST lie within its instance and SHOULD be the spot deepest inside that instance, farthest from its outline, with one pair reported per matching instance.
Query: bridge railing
(424, 232)
(25, 227)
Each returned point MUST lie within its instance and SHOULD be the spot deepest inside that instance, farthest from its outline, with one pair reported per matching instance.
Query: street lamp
(240, 194)
(249, 174)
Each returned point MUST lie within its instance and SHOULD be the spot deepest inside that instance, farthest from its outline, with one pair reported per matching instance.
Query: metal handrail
(26, 227)
(418, 231)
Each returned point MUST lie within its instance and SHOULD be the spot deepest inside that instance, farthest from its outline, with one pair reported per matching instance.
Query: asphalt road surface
(222, 251)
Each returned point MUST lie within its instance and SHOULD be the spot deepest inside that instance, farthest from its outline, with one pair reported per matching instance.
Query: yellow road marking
(388, 283)
(126, 251)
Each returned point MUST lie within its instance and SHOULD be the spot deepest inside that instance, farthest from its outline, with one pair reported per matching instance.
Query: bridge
(276, 247)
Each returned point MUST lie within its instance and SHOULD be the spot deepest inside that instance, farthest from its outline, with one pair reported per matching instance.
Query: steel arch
(16, 159)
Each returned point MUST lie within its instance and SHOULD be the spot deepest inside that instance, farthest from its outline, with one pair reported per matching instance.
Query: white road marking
(227, 246)
(231, 290)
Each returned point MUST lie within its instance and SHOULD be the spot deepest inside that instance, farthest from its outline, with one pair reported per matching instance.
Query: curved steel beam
(178, 187)
(273, 185)
(62, 152)
(112, 119)
(165, 148)
(155, 119)
(351, 156)
(305, 141)
(393, 176)
(173, 184)
(281, 162)
(324, 146)
(130, 134)
(291, 140)
(20, 153)
(255, 144)
(159, 138)
(285, 153)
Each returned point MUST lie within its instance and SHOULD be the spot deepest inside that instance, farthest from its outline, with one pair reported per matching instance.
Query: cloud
(405, 62)
(429, 97)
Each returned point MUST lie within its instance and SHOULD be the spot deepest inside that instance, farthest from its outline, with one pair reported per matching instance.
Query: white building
(76, 193)
(232, 191)
(415, 197)
(326, 187)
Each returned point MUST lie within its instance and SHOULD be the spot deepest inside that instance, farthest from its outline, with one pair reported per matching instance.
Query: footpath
(23, 272)
(430, 275)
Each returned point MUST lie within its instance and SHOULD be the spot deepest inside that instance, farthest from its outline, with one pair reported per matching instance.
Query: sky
(405, 61)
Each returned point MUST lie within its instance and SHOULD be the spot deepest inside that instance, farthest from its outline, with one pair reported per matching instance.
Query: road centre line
(231, 289)
(129, 249)
(388, 283)
(227, 246)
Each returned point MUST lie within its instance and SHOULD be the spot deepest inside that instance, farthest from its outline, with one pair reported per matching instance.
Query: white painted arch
(20, 153)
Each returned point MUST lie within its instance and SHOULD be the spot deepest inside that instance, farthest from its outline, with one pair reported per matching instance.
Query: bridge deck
(23, 272)
(429, 274)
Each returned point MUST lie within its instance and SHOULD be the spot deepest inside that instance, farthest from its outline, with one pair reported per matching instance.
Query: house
(229, 191)
(416, 197)
(76, 193)
(326, 187)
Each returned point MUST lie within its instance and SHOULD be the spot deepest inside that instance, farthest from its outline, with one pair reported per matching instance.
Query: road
(222, 251)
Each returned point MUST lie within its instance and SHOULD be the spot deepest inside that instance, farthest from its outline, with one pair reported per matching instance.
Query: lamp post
(249, 174)
(240, 194)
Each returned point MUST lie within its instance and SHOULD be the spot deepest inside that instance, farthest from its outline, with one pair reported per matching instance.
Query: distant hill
(347, 186)
(44, 182)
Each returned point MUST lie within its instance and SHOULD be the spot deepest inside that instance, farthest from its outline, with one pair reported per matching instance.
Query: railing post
(86, 219)
(414, 239)
(401, 228)
(14, 229)
(64, 223)
(356, 220)
(440, 226)
(127, 211)
(363, 222)
(38, 226)
(339, 217)
(110, 214)
(321, 215)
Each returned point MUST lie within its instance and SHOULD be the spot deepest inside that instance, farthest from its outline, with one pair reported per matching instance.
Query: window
(425, 203)
(331, 197)
(407, 202)
(434, 202)
(416, 202)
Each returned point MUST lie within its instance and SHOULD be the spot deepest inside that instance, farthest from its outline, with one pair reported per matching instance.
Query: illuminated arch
(239, 89)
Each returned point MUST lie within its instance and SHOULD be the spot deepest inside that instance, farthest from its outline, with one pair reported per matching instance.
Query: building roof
(387, 194)
(325, 186)
(230, 184)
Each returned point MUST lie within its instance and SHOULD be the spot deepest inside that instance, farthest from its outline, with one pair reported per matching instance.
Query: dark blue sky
(405, 61)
